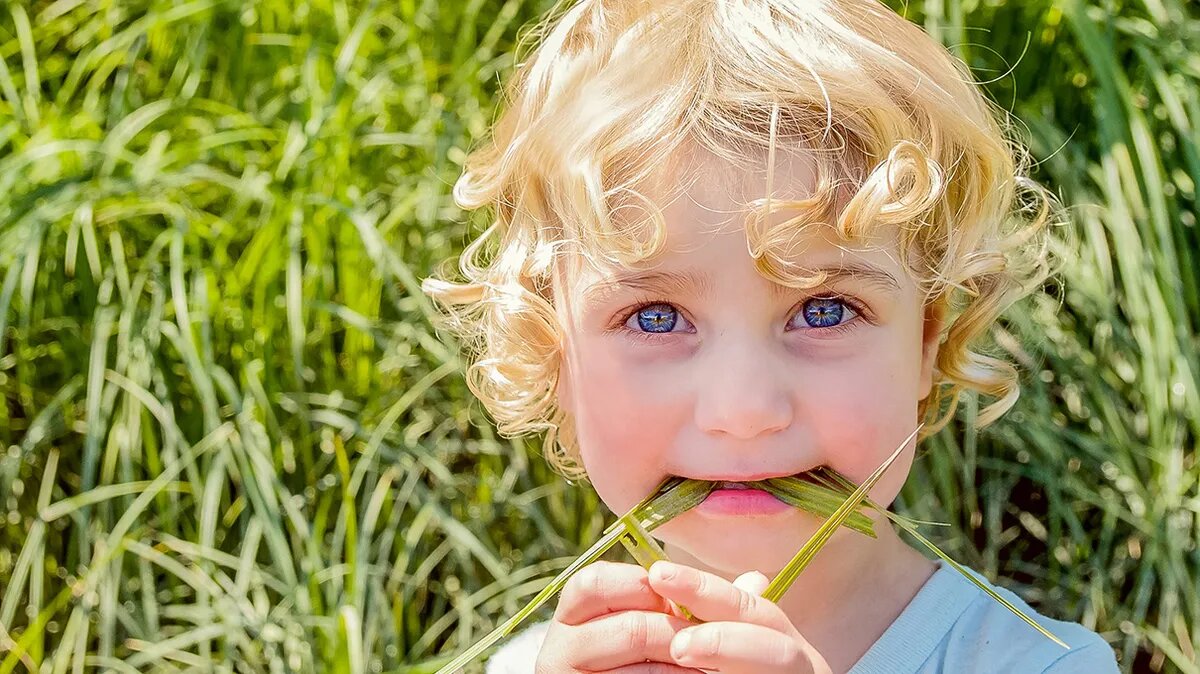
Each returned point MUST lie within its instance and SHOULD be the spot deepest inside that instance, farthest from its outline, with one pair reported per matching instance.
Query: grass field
(233, 441)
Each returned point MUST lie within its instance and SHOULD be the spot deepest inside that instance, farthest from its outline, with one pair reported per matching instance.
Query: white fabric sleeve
(519, 654)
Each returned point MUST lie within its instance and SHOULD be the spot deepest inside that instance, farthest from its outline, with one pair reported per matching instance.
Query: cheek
(625, 420)
(862, 410)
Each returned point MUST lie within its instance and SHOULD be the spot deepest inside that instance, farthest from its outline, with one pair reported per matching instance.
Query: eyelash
(659, 336)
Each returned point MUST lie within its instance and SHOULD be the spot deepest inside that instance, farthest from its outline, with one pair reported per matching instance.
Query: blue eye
(824, 312)
(657, 317)
(821, 314)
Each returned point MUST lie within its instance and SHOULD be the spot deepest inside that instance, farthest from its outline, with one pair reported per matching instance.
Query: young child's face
(743, 379)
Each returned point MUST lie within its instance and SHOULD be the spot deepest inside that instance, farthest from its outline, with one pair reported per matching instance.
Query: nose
(742, 392)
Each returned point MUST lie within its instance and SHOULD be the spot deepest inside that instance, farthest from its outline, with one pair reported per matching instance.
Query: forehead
(695, 180)
(706, 201)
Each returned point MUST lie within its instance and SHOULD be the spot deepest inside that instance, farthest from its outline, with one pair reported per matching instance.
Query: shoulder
(952, 625)
(519, 653)
(988, 633)
(1093, 656)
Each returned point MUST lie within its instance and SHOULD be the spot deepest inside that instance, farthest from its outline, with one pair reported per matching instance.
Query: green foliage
(232, 437)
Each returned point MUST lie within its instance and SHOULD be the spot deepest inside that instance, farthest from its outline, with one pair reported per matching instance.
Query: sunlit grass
(232, 440)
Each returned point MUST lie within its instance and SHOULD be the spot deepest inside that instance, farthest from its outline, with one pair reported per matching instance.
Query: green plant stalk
(640, 544)
(784, 579)
(593, 553)
(672, 497)
(643, 548)
(834, 481)
(822, 492)
(805, 493)
(800, 491)
(840, 481)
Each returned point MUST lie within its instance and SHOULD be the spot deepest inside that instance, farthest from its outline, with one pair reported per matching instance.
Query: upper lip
(746, 478)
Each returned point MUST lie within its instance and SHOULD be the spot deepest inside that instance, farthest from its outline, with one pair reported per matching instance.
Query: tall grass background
(232, 441)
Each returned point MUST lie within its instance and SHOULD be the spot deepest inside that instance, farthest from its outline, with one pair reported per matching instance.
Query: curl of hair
(902, 138)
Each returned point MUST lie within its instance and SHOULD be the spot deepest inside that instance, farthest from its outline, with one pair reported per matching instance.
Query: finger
(617, 639)
(753, 582)
(607, 587)
(712, 598)
(738, 647)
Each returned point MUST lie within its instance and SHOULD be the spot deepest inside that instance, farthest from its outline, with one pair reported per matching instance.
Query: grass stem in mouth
(822, 491)
(791, 571)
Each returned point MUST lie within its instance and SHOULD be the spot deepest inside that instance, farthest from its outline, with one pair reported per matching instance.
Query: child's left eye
(825, 312)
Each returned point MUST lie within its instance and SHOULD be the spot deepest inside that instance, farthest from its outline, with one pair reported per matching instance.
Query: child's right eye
(652, 320)
(657, 318)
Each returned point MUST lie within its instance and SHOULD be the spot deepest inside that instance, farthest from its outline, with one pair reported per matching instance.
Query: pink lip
(742, 502)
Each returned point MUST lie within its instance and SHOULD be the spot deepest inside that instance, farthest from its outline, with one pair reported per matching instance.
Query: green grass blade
(991, 593)
(780, 584)
(643, 548)
(678, 499)
(640, 544)
(673, 496)
(664, 487)
(554, 587)
(909, 526)
(350, 658)
(816, 499)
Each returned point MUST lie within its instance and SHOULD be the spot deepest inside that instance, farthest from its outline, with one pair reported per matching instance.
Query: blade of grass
(818, 499)
(662, 506)
(640, 544)
(911, 529)
(957, 567)
(643, 548)
(780, 584)
(592, 554)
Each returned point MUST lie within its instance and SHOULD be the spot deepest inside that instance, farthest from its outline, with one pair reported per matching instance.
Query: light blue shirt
(949, 626)
(953, 626)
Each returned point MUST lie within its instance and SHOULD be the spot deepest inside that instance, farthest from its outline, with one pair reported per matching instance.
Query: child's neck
(851, 592)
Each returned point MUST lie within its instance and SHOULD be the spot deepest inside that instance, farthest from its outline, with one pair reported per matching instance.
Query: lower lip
(742, 502)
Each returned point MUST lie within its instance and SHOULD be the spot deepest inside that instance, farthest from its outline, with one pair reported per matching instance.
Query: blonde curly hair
(900, 133)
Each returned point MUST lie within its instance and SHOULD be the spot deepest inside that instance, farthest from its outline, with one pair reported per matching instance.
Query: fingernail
(753, 582)
(679, 644)
(665, 571)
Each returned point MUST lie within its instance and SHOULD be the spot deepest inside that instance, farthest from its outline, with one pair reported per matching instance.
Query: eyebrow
(701, 284)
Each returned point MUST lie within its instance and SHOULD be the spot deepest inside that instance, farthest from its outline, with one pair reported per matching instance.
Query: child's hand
(742, 631)
(608, 619)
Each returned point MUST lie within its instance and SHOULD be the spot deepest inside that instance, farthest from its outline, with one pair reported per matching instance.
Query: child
(739, 239)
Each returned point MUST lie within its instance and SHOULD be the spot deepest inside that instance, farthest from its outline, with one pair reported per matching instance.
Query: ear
(935, 314)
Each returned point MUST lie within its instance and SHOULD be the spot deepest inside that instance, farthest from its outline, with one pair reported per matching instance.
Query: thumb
(753, 582)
